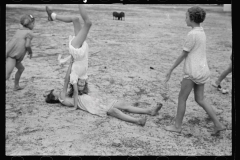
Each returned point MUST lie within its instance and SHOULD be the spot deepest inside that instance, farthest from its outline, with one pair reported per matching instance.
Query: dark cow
(118, 15)
(115, 14)
(122, 15)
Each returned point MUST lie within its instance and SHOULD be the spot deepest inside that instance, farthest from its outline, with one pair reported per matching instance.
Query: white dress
(80, 64)
(195, 64)
(95, 106)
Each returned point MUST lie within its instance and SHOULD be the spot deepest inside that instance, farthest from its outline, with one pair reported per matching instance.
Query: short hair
(26, 20)
(50, 98)
(197, 14)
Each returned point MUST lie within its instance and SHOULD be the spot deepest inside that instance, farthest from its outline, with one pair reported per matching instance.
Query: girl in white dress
(196, 71)
(78, 47)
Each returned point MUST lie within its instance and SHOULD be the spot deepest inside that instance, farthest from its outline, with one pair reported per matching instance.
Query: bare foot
(16, 88)
(142, 121)
(173, 128)
(154, 112)
(217, 130)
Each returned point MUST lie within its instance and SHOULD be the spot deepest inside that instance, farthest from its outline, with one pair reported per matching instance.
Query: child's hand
(72, 59)
(166, 86)
(167, 77)
(30, 56)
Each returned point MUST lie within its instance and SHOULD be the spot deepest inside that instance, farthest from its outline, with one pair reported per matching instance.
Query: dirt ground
(121, 54)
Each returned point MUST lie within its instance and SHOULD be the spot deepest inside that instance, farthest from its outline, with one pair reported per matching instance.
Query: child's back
(16, 47)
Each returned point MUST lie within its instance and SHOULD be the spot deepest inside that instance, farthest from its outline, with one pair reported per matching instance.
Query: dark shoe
(49, 12)
(216, 86)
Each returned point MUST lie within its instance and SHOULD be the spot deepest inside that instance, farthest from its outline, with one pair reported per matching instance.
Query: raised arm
(67, 78)
(75, 95)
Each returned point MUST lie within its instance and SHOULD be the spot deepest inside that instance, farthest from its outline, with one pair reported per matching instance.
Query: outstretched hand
(30, 56)
(167, 77)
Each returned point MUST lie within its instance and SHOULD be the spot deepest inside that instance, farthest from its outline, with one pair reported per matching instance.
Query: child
(196, 71)
(99, 106)
(221, 77)
(78, 47)
(17, 47)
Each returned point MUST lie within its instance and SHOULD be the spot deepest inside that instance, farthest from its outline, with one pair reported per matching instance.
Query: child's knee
(121, 104)
(113, 112)
(199, 101)
(75, 19)
(182, 97)
(88, 23)
(21, 69)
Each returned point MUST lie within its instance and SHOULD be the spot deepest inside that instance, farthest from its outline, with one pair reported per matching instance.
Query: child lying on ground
(98, 106)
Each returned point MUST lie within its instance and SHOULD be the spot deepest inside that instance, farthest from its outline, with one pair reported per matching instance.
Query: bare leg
(10, 64)
(114, 112)
(18, 74)
(129, 108)
(199, 98)
(66, 19)
(224, 75)
(186, 88)
(69, 19)
(82, 34)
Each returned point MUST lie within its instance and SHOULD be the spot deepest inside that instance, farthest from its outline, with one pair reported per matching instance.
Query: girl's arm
(29, 37)
(66, 82)
(66, 79)
(177, 62)
(28, 47)
(75, 95)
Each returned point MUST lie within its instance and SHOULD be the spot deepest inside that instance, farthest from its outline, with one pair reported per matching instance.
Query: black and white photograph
(118, 79)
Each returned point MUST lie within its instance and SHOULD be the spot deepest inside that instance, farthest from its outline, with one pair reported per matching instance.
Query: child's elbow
(75, 92)
(89, 23)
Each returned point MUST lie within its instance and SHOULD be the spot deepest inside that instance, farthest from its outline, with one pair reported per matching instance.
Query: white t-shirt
(195, 64)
